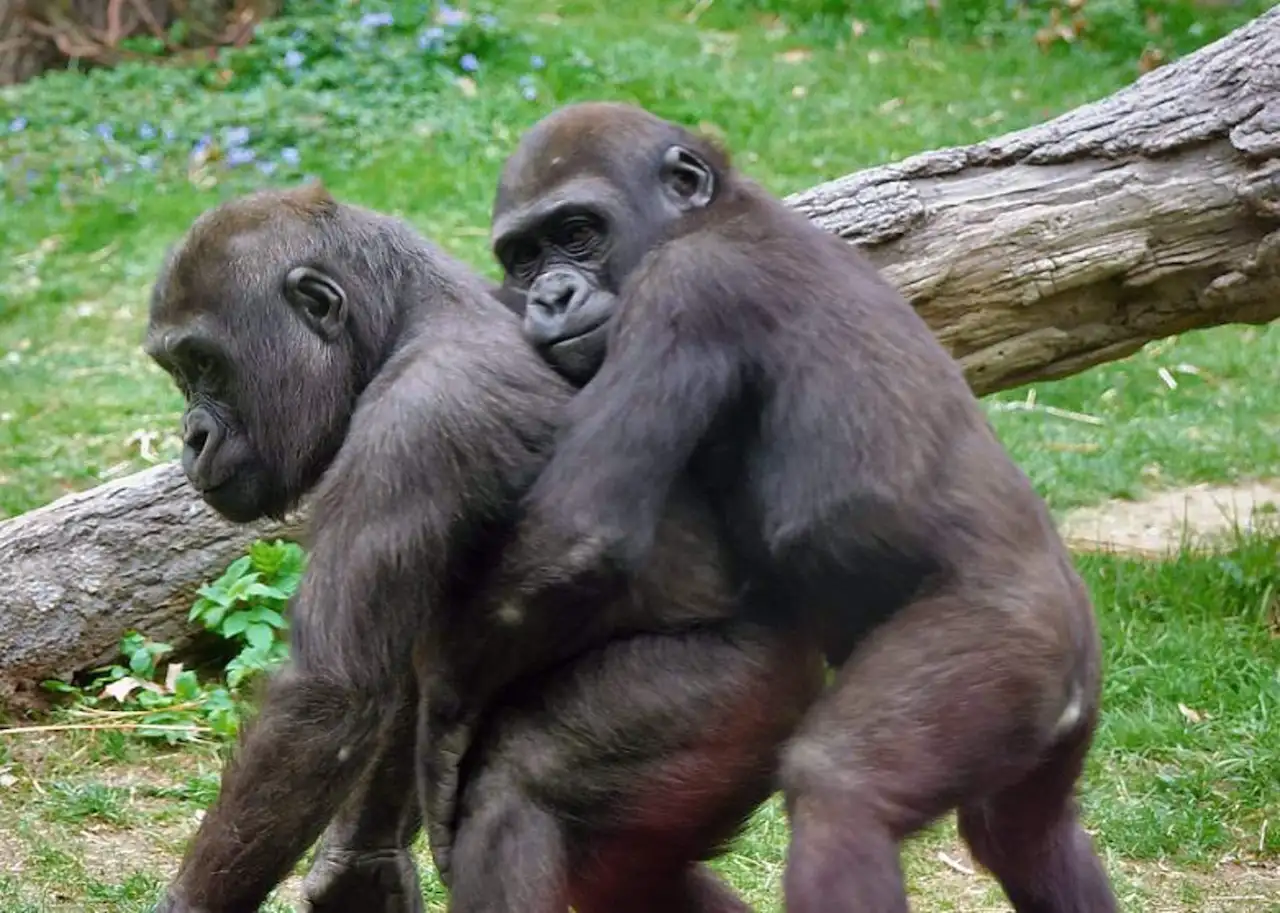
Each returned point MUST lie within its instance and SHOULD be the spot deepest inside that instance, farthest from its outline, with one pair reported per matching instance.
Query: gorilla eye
(579, 236)
(203, 366)
(522, 259)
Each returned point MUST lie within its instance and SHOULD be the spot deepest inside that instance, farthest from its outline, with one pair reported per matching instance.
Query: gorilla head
(573, 219)
(253, 318)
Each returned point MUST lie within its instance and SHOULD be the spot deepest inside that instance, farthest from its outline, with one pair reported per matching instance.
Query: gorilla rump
(327, 349)
(862, 492)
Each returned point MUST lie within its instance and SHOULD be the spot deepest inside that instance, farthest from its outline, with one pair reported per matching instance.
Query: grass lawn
(98, 174)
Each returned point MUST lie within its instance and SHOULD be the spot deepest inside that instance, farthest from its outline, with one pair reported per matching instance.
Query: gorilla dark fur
(861, 491)
(321, 346)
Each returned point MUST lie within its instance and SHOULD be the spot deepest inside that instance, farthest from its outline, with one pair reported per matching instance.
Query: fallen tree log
(1032, 255)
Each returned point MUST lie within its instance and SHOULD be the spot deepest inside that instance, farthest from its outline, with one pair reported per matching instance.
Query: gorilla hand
(343, 880)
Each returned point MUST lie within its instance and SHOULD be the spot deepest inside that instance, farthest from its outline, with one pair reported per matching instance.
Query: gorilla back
(327, 349)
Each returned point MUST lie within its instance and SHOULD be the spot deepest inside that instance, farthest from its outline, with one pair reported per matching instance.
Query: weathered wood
(1032, 255)
(1042, 252)
(77, 573)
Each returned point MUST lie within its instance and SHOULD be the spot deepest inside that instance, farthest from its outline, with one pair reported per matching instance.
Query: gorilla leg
(363, 861)
(607, 784)
(510, 854)
(1029, 836)
(951, 702)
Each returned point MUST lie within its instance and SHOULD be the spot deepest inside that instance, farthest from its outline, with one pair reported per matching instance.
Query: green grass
(93, 822)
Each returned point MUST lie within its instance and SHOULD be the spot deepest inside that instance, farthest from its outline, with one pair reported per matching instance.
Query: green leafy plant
(169, 704)
(247, 604)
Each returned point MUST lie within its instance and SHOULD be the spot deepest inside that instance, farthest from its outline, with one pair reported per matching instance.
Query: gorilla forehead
(606, 139)
(223, 250)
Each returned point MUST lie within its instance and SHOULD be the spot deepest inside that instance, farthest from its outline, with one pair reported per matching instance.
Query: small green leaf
(269, 617)
(235, 624)
(235, 570)
(59, 687)
(213, 618)
(186, 687)
(260, 636)
(140, 663)
(265, 590)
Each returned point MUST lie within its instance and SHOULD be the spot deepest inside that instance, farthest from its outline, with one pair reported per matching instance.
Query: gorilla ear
(688, 178)
(319, 299)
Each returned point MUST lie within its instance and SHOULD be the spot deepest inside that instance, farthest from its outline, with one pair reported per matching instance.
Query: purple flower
(146, 131)
(200, 146)
(235, 136)
(267, 168)
(469, 63)
(530, 93)
(17, 125)
(431, 39)
(238, 156)
(537, 62)
(294, 59)
(104, 131)
(377, 20)
(147, 163)
(289, 155)
(450, 16)
(169, 135)
(488, 21)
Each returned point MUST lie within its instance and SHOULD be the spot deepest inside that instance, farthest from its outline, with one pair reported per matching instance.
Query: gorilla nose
(200, 438)
(553, 297)
(558, 291)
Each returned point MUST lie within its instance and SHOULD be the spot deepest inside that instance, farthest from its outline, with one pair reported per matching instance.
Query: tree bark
(129, 554)
(1033, 255)
(1042, 252)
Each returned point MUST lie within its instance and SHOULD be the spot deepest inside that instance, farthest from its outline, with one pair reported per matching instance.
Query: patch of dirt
(108, 854)
(947, 879)
(13, 854)
(1160, 524)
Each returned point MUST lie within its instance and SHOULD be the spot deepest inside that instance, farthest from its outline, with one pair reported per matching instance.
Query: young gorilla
(321, 346)
(859, 484)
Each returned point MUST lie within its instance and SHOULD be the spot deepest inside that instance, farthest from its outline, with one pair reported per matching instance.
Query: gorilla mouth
(590, 334)
(578, 357)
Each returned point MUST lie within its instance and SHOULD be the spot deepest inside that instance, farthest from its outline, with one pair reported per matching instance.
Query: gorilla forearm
(364, 853)
(295, 764)
(591, 519)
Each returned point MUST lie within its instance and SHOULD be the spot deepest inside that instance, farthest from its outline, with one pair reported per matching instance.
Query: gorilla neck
(425, 289)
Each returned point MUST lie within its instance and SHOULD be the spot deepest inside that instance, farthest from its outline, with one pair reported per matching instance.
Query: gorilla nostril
(197, 439)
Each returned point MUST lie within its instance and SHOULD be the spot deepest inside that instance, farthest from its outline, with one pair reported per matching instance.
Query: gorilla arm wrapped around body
(322, 348)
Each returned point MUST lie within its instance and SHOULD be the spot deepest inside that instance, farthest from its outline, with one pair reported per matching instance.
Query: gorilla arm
(590, 519)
